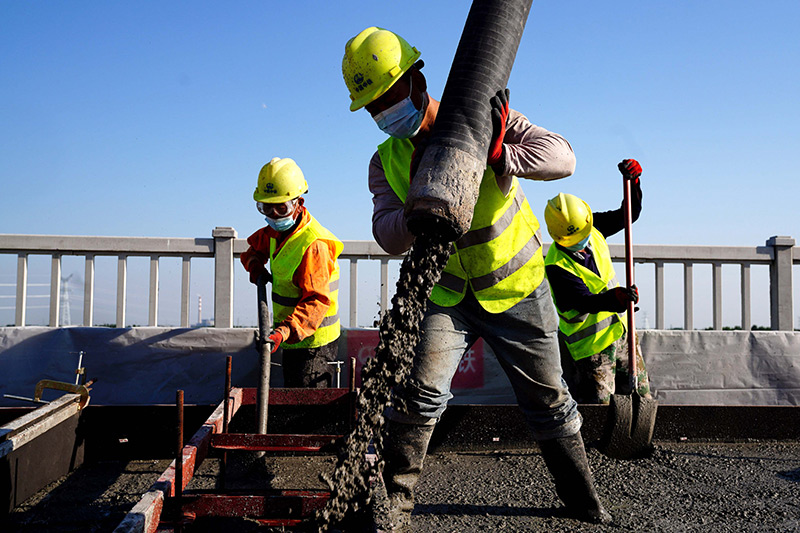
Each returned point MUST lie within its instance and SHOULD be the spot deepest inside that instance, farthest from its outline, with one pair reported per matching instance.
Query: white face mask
(403, 119)
(280, 224)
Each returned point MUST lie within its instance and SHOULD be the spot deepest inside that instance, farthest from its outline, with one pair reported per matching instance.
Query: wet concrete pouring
(398, 335)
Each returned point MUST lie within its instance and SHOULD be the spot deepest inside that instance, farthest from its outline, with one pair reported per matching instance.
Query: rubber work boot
(565, 458)
(404, 448)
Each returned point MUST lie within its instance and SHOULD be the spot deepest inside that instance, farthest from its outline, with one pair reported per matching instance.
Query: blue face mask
(402, 120)
(579, 246)
(280, 224)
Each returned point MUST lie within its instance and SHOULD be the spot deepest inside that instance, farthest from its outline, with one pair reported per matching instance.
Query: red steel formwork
(166, 508)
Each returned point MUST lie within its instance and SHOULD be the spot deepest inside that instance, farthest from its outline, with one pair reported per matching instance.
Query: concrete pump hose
(444, 190)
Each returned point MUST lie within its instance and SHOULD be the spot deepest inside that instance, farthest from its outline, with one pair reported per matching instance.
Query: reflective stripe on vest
(501, 254)
(589, 333)
(286, 295)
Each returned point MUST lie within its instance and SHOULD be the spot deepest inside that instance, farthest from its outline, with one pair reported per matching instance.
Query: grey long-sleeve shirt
(530, 152)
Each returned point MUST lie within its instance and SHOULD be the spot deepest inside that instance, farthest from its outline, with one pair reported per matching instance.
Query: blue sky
(154, 118)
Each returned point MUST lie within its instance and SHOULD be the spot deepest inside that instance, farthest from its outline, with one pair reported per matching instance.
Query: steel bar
(353, 396)
(296, 396)
(267, 507)
(265, 349)
(226, 416)
(272, 442)
(179, 451)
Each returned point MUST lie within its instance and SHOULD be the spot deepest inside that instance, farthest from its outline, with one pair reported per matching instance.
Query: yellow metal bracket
(83, 390)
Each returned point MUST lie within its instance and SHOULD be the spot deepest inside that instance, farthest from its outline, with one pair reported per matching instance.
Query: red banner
(361, 344)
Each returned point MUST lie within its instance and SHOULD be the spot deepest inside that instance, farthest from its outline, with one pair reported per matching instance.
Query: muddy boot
(404, 450)
(565, 458)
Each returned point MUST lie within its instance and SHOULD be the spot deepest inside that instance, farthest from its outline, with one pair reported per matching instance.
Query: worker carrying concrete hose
(305, 275)
(590, 303)
(492, 287)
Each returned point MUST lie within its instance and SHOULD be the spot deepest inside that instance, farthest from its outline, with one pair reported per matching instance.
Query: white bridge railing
(779, 253)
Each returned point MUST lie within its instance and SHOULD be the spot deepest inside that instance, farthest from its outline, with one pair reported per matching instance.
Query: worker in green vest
(305, 275)
(590, 303)
(493, 286)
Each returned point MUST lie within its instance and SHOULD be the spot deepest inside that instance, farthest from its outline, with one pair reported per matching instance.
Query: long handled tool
(265, 351)
(631, 418)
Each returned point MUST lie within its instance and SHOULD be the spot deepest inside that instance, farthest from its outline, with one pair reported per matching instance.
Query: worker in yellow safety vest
(590, 303)
(493, 286)
(305, 275)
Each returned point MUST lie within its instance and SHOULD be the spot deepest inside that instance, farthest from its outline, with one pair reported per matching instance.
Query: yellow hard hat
(373, 61)
(279, 181)
(568, 218)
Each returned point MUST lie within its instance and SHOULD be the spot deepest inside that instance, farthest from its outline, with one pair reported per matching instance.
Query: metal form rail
(166, 508)
(51, 431)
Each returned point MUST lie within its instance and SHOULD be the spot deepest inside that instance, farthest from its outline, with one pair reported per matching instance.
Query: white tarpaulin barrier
(724, 367)
(147, 365)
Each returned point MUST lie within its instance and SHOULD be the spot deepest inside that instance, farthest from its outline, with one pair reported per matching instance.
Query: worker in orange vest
(305, 275)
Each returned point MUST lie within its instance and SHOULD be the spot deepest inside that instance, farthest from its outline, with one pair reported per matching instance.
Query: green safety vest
(588, 334)
(499, 258)
(286, 295)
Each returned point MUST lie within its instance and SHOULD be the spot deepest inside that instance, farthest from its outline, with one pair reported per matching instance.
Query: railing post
(223, 276)
(55, 290)
(688, 297)
(152, 315)
(780, 283)
(88, 291)
(22, 289)
(354, 293)
(746, 321)
(659, 294)
(716, 283)
(186, 271)
(122, 289)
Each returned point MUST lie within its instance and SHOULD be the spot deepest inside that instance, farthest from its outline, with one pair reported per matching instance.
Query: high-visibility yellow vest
(286, 295)
(588, 333)
(500, 257)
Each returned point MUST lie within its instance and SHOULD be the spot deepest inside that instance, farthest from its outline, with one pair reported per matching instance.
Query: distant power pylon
(66, 319)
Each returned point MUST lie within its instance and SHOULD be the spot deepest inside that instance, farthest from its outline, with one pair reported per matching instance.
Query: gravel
(93, 498)
(682, 487)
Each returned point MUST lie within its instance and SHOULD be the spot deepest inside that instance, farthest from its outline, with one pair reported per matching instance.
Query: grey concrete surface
(682, 487)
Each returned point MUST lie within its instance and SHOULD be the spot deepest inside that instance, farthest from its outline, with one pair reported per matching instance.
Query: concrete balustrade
(779, 253)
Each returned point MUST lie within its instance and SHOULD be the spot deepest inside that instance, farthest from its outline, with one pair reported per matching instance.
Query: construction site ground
(682, 487)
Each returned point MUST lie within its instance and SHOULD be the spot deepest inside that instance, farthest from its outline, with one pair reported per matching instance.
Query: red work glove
(499, 104)
(624, 295)
(631, 169)
(256, 269)
(276, 339)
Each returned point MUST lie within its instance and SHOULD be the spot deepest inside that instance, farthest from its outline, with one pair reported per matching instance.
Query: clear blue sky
(153, 118)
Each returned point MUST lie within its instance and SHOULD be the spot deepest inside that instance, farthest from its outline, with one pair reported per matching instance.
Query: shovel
(631, 418)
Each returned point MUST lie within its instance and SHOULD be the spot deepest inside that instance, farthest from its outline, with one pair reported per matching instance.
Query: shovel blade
(629, 427)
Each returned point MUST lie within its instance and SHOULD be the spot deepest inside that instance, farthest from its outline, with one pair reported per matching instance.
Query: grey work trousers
(524, 340)
(310, 367)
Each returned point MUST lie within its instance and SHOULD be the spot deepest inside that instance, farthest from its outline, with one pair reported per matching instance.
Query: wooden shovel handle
(629, 279)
